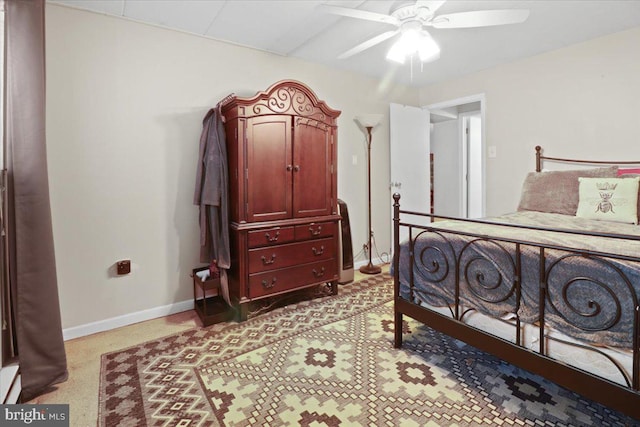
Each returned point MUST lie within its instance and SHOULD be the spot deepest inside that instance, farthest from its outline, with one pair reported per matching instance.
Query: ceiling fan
(412, 18)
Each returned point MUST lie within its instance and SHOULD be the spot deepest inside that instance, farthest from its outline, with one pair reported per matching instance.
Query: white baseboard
(126, 319)
(358, 264)
(152, 313)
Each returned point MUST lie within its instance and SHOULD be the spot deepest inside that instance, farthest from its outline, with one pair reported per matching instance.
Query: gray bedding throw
(588, 297)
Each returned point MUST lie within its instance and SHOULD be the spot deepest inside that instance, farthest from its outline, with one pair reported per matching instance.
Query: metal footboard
(611, 303)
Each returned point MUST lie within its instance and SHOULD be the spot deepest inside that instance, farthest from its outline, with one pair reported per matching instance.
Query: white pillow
(609, 199)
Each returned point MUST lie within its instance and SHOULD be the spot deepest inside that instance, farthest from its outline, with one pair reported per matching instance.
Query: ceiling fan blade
(359, 14)
(432, 5)
(369, 43)
(480, 18)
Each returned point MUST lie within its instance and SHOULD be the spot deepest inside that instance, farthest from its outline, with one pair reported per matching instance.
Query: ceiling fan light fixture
(428, 50)
(412, 41)
(412, 17)
(396, 53)
(404, 46)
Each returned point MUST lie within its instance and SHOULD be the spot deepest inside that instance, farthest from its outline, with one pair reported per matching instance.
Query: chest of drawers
(277, 259)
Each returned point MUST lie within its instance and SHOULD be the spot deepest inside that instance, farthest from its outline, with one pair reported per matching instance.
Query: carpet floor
(329, 361)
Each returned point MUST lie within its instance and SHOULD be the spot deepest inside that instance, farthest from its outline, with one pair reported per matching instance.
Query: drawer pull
(268, 285)
(317, 273)
(266, 261)
(272, 239)
(315, 232)
(317, 252)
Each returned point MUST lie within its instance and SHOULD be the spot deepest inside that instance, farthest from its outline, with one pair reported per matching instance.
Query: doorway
(457, 145)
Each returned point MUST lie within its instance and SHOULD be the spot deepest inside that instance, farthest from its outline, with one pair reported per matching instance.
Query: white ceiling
(298, 29)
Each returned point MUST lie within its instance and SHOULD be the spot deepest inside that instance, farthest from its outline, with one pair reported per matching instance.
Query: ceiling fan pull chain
(412, 68)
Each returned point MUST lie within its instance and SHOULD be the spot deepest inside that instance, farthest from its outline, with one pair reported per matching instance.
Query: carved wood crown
(285, 97)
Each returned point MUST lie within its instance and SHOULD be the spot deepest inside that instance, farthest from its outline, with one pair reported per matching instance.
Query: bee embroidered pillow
(609, 199)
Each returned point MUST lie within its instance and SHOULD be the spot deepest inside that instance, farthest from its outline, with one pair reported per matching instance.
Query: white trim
(458, 101)
(9, 384)
(483, 107)
(126, 319)
(16, 390)
(374, 261)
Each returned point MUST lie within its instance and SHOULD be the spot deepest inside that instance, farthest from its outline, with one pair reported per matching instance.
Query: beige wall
(124, 108)
(580, 101)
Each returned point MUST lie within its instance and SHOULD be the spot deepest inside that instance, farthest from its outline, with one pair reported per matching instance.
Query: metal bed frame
(619, 397)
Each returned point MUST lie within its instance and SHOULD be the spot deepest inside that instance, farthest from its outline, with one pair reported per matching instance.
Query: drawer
(276, 281)
(270, 236)
(315, 230)
(281, 256)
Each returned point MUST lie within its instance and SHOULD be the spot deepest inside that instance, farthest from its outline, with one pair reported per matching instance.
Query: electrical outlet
(123, 267)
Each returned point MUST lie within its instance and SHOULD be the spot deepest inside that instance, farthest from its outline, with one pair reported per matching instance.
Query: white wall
(579, 101)
(124, 108)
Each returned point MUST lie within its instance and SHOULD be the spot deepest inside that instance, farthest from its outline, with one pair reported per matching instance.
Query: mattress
(596, 360)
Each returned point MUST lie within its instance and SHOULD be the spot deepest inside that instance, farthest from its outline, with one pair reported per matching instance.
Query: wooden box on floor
(208, 302)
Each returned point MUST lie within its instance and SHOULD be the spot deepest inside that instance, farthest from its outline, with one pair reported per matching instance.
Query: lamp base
(370, 269)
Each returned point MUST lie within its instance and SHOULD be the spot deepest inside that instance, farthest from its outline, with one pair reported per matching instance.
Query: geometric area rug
(329, 361)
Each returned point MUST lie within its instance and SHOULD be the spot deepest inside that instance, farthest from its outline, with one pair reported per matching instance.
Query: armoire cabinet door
(313, 163)
(269, 168)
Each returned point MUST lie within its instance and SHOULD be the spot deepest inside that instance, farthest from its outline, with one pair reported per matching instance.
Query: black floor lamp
(368, 122)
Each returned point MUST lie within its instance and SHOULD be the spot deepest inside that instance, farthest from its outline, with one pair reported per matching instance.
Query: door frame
(465, 142)
(481, 98)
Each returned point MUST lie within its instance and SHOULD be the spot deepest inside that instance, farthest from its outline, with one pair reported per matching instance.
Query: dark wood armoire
(281, 147)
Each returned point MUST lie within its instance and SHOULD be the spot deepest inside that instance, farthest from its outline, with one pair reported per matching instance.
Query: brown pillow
(633, 175)
(557, 191)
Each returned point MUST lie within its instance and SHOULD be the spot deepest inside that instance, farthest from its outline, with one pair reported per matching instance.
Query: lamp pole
(370, 268)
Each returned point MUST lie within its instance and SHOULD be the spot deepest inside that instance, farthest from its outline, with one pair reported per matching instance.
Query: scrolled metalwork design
(433, 257)
(488, 270)
(289, 99)
(589, 292)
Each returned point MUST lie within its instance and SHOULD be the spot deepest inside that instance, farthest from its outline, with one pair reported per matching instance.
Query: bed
(553, 287)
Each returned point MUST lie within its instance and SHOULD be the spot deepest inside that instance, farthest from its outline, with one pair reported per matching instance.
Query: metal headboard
(540, 158)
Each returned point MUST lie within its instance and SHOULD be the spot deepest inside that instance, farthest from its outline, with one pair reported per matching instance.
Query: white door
(459, 164)
(409, 158)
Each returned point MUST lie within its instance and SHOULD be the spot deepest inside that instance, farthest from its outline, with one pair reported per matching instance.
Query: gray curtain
(32, 268)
